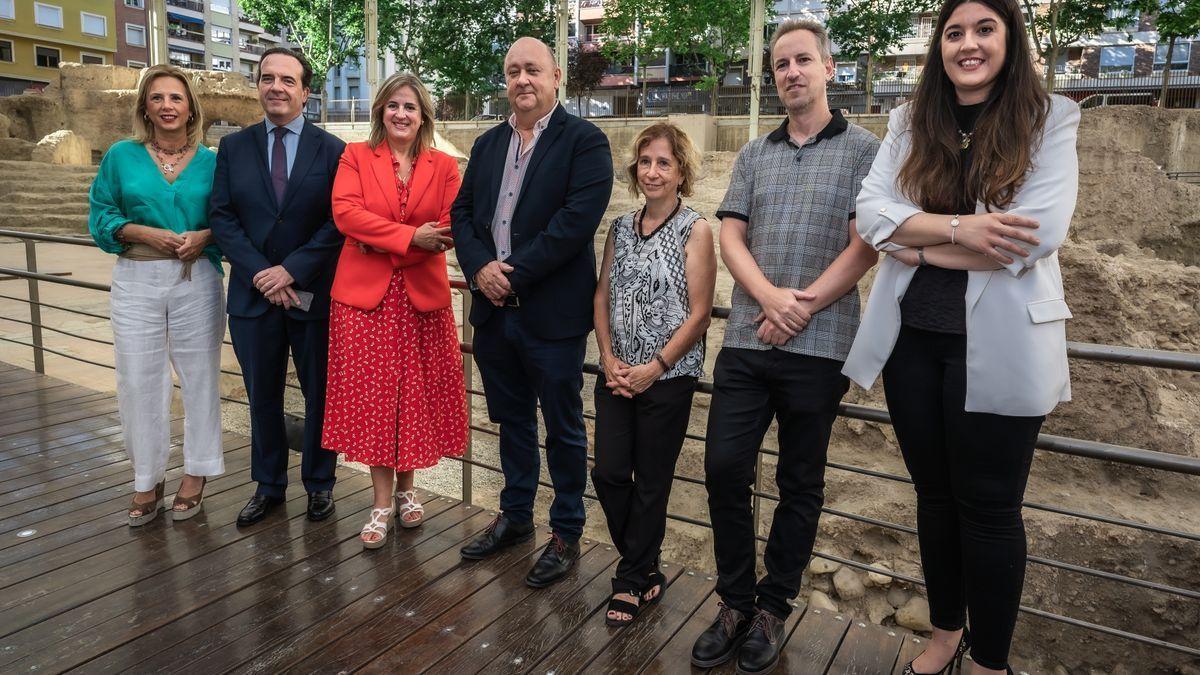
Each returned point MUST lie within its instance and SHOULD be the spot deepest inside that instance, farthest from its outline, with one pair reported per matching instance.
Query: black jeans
(520, 370)
(637, 443)
(969, 470)
(751, 387)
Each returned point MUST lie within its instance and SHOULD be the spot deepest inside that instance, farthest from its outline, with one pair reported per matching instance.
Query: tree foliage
(328, 32)
(586, 66)
(716, 30)
(1174, 19)
(1058, 23)
(872, 28)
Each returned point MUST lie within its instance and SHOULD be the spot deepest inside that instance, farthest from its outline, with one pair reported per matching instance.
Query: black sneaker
(760, 652)
(721, 640)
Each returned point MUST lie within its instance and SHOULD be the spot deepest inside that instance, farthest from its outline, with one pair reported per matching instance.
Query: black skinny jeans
(969, 470)
(637, 443)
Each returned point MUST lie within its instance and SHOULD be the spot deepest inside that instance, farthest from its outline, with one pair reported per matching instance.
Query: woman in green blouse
(149, 205)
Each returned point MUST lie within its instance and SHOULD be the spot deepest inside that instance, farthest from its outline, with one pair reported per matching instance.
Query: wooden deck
(81, 591)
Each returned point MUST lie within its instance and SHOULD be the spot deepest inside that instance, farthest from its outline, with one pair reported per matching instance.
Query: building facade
(36, 36)
(215, 35)
(133, 48)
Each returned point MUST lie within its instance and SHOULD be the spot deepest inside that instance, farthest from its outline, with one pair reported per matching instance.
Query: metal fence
(1121, 455)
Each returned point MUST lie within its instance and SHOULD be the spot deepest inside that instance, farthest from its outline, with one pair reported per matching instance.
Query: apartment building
(215, 35)
(133, 47)
(36, 35)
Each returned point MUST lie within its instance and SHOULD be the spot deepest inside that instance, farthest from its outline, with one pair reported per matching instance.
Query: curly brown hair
(681, 147)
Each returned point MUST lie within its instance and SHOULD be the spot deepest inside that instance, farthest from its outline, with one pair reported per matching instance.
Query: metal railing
(184, 34)
(1122, 455)
(193, 5)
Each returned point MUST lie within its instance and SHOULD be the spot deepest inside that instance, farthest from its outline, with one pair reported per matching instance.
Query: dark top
(936, 297)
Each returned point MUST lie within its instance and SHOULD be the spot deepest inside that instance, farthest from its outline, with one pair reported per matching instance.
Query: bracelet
(954, 223)
(921, 255)
(662, 362)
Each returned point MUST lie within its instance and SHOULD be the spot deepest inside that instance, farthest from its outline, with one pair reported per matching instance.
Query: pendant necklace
(159, 151)
(964, 139)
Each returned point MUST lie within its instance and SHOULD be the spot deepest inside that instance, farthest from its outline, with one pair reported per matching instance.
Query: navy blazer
(255, 233)
(563, 197)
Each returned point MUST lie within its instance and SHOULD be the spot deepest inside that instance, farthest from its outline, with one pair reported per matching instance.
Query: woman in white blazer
(970, 195)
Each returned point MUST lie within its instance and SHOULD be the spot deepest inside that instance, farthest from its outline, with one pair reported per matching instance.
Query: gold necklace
(159, 151)
(964, 139)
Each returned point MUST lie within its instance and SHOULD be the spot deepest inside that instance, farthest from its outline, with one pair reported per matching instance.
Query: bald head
(531, 77)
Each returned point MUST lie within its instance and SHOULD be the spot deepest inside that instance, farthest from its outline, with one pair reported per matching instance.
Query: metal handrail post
(468, 375)
(35, 309)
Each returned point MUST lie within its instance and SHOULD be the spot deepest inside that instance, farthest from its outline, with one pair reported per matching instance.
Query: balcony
(180, 33)
(194, 5)
(591, 10)
(252, 48)
(190, 65)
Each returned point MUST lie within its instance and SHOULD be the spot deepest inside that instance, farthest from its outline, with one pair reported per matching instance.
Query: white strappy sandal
(408, 504)
(380, 523)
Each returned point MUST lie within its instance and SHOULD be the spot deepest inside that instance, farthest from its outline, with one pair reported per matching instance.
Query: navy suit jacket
(255, 233)
(566, 189)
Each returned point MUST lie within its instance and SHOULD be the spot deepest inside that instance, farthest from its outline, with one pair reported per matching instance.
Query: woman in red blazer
(395, 399)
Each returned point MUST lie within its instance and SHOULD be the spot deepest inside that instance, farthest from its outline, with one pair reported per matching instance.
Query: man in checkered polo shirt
(788, 239)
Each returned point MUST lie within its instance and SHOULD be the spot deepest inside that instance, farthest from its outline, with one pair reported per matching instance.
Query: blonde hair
(388, 89)
(143, 128)
(681, 147)
(814, 27)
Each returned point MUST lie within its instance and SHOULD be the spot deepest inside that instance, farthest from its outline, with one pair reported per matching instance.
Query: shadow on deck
(83, 591)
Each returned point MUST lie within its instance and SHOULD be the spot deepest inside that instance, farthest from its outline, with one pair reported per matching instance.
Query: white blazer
(1016, 317)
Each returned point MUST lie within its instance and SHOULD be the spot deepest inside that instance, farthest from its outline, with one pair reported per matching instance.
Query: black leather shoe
(498, 536)
(320, 505)
(760, 652)
(257, 508)
(558, 558)
(721, 640)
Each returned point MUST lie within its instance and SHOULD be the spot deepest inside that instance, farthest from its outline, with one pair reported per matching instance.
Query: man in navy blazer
(524, 221)
(270, 214)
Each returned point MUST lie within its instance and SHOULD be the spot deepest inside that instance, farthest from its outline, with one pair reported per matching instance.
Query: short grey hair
(814, 27)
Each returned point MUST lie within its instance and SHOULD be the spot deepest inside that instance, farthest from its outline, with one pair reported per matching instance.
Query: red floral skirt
(395, 395)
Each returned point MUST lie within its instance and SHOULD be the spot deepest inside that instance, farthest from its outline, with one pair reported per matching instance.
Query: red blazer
(366, 209)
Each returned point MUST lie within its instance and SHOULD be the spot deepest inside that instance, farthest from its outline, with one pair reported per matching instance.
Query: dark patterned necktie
(279, 172)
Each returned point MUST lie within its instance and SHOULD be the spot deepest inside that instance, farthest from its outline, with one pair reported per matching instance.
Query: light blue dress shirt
(290, 142)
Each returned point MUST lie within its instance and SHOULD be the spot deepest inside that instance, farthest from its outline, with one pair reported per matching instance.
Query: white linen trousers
(160, 320)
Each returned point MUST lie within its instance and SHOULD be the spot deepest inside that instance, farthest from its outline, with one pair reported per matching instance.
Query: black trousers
(520, 370)
(750, 388)
(969, 470)
(637, 443)
(262, 344)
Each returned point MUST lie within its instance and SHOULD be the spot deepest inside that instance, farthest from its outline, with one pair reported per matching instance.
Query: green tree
(872, 28)
(328, 32)
(1056, 24)
(1174, 19)
(586, 66)
(714, 30)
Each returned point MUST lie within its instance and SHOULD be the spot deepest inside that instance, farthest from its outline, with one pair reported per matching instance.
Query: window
(135, 64)
(352, 92)
(219, 63)
(6, 51)
(221, 6)
(337, 92)
(93, 24)
(91, 59)
(246, 69)
(1116, 61)
(1120, 17)
(222, 35)
(7, 10)
(49, 16)
(924, 26)
(46, 57)
(135, 35)
(1179, 56)
(846, 72)
(136, 4)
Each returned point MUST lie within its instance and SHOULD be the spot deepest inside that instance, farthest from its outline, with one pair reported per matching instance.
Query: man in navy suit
(524, 222)
(270, 213)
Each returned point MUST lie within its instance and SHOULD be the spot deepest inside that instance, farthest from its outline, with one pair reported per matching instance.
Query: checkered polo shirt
(798, 201)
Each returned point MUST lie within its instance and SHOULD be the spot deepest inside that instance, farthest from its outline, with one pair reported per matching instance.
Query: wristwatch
(954, 223)
(921, 256)
(119, 235)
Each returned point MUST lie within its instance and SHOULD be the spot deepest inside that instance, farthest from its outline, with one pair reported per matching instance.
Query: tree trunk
(870, 85)
(1162, 97)
(1051, 66)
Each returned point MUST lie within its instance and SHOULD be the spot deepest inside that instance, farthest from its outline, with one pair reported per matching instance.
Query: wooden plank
(510, 628)
(315, 623)
(13, 393)
(591, 636)
(273, 601)
(414, 610)
(636, 644)
(59, 432)
(911, 647)
(41, 401)
(101, 442)
(18, 431)
(59, 511)
(218, 559)
(677, 652)
(867, 649)
(472, 614)
(815, 641)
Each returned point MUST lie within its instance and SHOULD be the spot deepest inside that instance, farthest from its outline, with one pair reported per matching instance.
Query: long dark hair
(1005, 134)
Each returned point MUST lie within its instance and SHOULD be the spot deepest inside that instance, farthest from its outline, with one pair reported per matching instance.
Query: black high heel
(955, 662)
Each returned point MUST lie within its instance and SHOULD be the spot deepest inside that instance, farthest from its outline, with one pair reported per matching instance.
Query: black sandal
(655, 578)
(624, 607)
